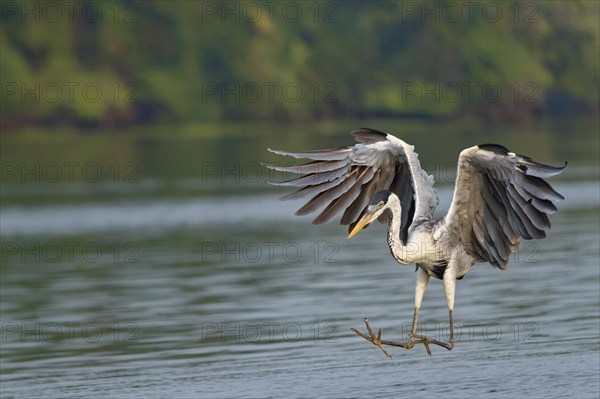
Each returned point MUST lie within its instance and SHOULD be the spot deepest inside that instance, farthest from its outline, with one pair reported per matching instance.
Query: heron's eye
(380, 204)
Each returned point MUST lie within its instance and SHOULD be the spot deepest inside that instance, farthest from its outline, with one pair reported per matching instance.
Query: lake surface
(177, 273)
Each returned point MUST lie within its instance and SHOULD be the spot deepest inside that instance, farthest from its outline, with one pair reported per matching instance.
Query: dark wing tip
(368, 135)
(495, 148)
(561, 168)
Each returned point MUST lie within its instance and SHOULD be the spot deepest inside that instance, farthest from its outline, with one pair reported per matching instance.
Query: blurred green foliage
(117, 63)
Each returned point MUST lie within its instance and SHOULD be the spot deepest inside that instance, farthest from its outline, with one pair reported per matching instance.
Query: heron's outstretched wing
(345, 179)
(499, 197)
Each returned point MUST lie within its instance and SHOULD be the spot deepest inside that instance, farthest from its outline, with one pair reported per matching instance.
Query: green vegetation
(112, 64)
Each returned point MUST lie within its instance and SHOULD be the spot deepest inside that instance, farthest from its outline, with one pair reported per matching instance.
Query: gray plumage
(499, 197)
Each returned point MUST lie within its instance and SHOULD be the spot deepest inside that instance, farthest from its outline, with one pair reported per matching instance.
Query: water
(181, 286)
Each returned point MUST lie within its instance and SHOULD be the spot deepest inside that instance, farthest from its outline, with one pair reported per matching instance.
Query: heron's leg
(449, 287)
(422, 280)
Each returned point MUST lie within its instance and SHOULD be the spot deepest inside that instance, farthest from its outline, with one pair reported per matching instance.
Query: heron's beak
(365, 220)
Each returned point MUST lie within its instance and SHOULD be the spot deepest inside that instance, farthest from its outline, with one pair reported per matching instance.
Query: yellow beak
(365, 220)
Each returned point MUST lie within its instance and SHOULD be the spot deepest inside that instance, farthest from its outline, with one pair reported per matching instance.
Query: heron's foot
(426, 341)
(375, 340)
(412, 341)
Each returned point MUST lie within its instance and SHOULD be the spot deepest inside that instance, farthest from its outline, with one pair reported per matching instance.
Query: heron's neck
(397, 247)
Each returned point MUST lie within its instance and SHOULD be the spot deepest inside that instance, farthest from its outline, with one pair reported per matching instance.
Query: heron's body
(424, 247)
(499, 198)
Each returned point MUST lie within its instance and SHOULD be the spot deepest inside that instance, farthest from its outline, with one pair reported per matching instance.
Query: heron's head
(379, 203)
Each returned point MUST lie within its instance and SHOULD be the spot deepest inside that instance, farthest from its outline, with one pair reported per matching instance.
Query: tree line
(120, 63)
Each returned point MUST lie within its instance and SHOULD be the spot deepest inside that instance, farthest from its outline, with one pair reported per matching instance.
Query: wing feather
(313, 190)
(497, 209)
(539, 219)
(499, 198)
(532, 231)
(334, 154)
(344, 200)
(345, 179)
(314, 178)
(327, 196)
(354, 211)
(311, 167)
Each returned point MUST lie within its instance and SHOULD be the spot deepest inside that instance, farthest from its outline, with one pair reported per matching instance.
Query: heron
(499, 198)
